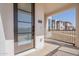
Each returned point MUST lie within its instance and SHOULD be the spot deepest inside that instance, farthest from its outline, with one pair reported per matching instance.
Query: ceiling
(51, 7)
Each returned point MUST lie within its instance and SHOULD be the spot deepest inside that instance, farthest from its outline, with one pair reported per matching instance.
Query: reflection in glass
(24, 27)
(24, 16)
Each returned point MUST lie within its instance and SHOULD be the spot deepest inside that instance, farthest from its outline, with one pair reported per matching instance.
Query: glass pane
(24, 39)
(24, 16)
(25, 7)
(24, 27)
(63, 25)
(63, 21)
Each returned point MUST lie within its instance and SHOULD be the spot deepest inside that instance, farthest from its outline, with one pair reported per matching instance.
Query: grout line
(52, 43)
(62, 45)
(52, 52)
(69, 52)
(57, 49)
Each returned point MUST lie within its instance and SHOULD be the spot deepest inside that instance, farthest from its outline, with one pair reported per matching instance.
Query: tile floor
(56, 48)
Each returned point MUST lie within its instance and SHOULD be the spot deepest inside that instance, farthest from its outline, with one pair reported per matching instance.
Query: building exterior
(68, 26)
(53, 24)
(61, 25)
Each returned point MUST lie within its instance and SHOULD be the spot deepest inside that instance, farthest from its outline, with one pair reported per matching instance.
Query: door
(23, 27)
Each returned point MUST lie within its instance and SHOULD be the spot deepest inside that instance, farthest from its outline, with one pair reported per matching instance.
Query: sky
(68, 15)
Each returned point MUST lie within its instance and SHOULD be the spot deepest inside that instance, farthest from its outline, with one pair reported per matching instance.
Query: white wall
(39, 27)
(6, 11)
(77, 25)
(7, 18)
(48, 33)
(2, 37)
